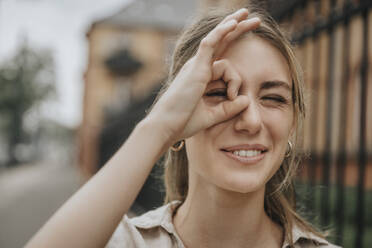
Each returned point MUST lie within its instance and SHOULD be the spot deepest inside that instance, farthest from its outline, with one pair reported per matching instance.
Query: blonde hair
(280, 204)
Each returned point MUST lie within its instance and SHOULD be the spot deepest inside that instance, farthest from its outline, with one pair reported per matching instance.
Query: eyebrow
(274, 84)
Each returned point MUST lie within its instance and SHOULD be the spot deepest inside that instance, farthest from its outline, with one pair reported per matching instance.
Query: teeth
(247, 153)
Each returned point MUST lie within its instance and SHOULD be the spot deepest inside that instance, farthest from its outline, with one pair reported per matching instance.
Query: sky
(60, 26)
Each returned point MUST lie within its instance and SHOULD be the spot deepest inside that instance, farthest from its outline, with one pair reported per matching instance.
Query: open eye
(217, 93)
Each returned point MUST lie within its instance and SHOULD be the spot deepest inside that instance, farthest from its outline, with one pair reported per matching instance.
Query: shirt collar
(299, 235)
(162, 217)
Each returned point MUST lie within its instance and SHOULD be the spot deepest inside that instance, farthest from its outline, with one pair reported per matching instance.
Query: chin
(242, 183)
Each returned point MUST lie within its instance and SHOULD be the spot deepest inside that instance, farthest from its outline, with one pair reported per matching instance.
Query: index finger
(242, 27)
(209, 43)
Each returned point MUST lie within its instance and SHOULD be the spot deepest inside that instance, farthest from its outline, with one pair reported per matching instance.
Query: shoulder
(152, 229)
(124, 235)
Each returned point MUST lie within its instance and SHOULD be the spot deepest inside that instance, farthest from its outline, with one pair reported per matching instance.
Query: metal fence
(333, 40)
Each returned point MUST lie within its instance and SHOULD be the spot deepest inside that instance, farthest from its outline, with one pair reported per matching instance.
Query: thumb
(228, 109)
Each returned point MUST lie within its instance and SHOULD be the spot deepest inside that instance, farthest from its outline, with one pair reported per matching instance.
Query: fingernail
(230, 94)
(254, 19)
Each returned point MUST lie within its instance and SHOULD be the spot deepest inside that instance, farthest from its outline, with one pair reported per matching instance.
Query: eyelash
(223, 93)
(217, 93)
(278, 99)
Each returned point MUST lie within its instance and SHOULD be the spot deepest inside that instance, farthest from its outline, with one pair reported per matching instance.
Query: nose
(249, 120)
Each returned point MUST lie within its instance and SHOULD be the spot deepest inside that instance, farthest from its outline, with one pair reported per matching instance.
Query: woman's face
(243, 153)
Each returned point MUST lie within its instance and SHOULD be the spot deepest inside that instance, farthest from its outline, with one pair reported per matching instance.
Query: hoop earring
(178, 147)
(289, 151)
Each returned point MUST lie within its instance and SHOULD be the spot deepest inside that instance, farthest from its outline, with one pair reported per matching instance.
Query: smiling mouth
(247, 153)
(246, 156)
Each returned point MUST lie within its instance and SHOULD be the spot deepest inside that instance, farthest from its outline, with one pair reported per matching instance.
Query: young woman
(231, 113)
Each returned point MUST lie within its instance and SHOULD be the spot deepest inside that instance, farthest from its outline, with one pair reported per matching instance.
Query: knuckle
(220, 30)
(220, 64)
(229, 38)
(205, 42)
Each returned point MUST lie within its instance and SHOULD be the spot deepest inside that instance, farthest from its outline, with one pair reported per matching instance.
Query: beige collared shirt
(155, 229)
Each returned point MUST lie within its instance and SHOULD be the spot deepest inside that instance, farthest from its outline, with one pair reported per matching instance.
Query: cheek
(201, 147)
(196, 149)
(279, 123)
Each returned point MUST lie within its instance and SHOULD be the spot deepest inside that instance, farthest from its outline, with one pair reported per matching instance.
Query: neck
(215, 217)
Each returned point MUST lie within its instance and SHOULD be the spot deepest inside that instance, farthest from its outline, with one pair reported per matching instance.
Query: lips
(256, 147)
(246, 154)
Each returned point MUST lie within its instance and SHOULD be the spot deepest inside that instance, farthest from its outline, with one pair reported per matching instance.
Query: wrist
(155, 130)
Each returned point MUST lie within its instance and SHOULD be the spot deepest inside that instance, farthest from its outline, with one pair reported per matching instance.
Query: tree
(25, 80)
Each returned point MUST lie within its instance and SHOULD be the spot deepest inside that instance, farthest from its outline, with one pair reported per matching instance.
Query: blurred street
(29, 195)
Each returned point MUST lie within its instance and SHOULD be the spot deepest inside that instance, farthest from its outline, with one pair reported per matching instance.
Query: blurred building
(128, 58)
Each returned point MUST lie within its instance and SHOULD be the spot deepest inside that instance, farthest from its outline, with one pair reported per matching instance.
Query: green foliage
(306, 193)
(26, 80)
